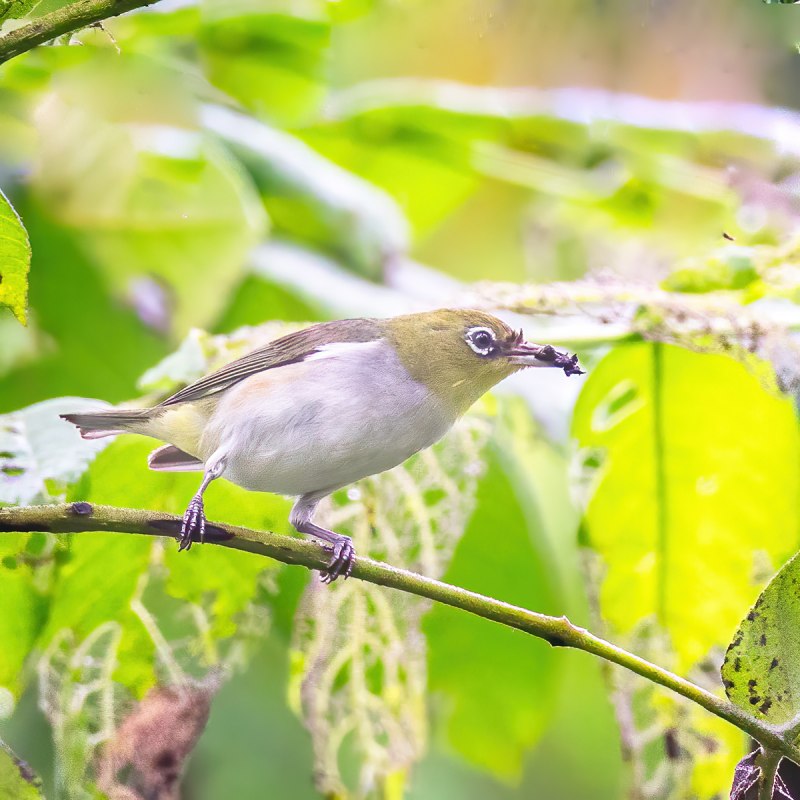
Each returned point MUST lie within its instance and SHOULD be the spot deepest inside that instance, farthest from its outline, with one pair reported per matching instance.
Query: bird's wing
(289, 349)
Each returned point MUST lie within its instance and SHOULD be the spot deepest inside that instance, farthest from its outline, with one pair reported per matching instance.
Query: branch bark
(558, 631)
(68, 19)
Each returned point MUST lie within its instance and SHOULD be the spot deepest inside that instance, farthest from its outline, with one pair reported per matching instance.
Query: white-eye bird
(326, 406)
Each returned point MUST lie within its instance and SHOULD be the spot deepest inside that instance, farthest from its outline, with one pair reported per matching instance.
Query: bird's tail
(97, 424)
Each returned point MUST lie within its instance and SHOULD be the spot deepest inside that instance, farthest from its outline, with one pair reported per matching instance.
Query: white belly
(323, 423)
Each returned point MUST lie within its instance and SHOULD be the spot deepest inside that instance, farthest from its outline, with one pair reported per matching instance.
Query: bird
(325, 406)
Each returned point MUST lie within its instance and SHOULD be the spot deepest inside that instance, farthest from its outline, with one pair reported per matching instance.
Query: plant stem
(68, 19)
(768, 761)
(558, 631)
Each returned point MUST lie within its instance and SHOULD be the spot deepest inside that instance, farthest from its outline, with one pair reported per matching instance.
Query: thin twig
(70, 18)
(558, 631)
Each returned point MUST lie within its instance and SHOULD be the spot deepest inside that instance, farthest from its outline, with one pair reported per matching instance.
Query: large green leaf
(693, 466)
(497, 696)
(761, 671)
(15, 259)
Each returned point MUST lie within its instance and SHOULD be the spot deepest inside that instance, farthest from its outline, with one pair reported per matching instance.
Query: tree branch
(68, 19)
(558, 631)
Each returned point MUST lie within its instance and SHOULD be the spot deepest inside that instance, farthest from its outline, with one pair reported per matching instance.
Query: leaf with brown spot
(761, 672)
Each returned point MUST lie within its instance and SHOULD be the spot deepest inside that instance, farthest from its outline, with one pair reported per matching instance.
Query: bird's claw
(194, 524)
(342, 561)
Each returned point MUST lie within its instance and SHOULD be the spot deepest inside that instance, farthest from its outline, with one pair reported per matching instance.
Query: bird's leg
(194, 520)
(341, 546)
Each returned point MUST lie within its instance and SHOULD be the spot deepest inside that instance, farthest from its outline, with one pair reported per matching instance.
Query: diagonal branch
(558, 631)
(68, 19)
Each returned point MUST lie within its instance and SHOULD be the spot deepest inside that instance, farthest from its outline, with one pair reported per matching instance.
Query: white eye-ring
(481, 340)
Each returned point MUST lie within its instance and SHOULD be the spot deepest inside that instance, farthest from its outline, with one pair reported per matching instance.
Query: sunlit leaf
(669, 439)
(15, 259)
(761, 671)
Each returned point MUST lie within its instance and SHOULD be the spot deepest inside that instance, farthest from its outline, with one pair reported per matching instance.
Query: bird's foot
(194, 524)
(344, 556)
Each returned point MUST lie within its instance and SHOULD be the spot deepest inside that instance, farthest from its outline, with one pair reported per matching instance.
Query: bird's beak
(528, 354)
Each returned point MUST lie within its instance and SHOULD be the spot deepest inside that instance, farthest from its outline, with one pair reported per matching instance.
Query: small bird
(326, 406)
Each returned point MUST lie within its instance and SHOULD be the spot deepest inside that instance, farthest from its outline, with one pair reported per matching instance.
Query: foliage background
(216, 165)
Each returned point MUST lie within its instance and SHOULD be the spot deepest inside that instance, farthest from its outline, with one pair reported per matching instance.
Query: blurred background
(196, 167)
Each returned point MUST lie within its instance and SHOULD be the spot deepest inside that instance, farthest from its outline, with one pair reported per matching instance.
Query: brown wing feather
(288, 349)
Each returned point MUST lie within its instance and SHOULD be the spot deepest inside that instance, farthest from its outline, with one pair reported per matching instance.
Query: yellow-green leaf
(694, 470)
(15, 260)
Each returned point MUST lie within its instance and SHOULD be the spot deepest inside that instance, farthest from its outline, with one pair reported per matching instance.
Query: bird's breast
(323, 423)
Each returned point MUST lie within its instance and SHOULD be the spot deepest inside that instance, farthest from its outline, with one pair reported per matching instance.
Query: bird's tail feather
(97, 424)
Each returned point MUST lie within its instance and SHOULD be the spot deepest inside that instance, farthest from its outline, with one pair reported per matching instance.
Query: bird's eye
(481, 340)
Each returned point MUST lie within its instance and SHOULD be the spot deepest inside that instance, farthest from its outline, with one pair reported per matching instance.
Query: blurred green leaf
(497, 696)
(17, 779)
(731, 269)
(70, 304)
(15, 257)
(41, 454)
(670, 439)
(312, 199)
(268, 55)
(761, 671)
(164, 210)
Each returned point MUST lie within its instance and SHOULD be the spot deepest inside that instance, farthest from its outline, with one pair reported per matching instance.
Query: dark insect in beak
(542, 355)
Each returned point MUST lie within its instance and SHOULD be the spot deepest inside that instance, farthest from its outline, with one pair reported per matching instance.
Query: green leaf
(41, 454)
(497, 696)
(313, 200)
(691, 468)
(693, 471)
(17, 779)
(730, 269)
(15, 259)
(761, 671)
(269, 56)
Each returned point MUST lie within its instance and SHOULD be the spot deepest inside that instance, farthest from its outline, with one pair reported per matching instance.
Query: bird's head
(461, 353)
